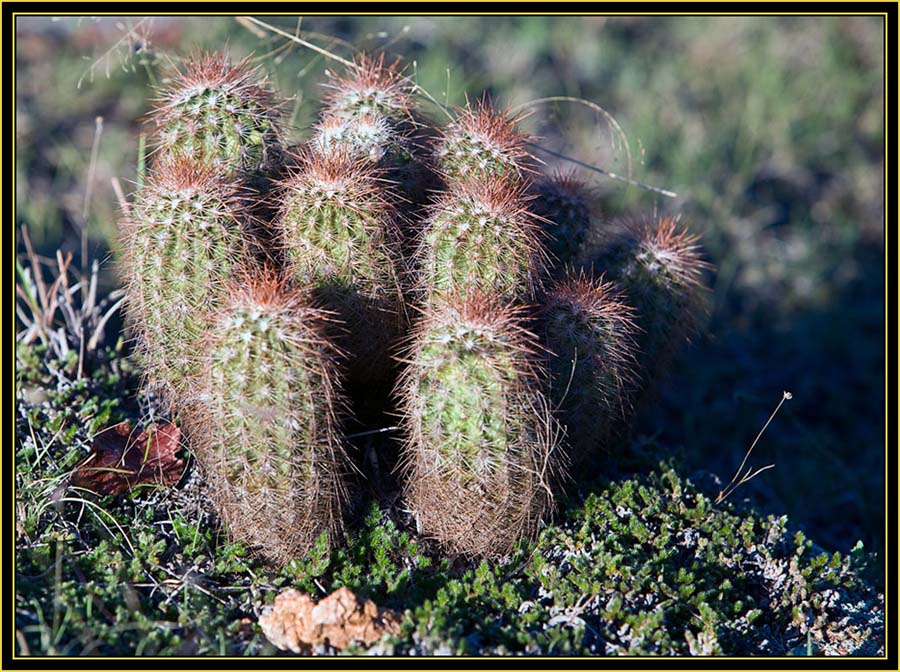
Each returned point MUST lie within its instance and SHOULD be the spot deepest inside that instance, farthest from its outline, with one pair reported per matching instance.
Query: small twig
(371, 432)
(120, 197)
(130, 34)
(301, 41)
(609, 174)
(92, 171)
(735, 483)
(245, 22)
(36, 274)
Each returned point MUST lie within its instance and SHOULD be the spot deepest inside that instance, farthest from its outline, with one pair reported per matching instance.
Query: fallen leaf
(297, 623)
(121, 459)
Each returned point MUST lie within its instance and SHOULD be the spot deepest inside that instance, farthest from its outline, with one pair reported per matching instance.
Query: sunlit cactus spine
(589, 330)
(338, 230)
(659, 267)
(219, 114)
(564, 206)
(371, 112)
(482, 453)
(484, 144)
(263, 421)
(181, 240)
(479, 237)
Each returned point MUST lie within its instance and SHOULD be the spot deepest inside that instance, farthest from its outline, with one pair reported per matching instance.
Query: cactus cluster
(437, 262)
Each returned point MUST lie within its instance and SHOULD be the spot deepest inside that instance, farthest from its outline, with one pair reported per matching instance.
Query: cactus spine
(590, 332)
(182, 240)
(660, 270)
(480, 456)
(219, 114)
(485, 145)
(339, 236)
(264, 420)
(371, 113)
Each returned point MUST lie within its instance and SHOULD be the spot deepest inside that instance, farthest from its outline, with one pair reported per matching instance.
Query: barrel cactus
(264, 419)
(219, 114)
(482, 453)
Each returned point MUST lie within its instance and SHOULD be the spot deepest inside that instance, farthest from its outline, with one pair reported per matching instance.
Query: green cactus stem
(660, 270)
(219, 114)
(564, 207)
(264, 421)
(371, 113)
(482, 453)
(479, 237)
(181, 240)
(484, 144)
(590, 333)
(339, 234)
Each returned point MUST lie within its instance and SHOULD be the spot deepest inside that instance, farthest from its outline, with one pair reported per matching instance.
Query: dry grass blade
(62, 316)
(738, 480)
(299, 40)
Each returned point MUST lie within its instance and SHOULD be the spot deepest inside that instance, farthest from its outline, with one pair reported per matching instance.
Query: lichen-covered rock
(296, 622)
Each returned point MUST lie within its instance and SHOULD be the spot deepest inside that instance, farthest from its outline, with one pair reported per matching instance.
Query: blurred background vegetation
(769, 129)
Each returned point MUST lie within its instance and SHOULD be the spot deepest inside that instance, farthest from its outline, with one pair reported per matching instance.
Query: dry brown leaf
(297, 623)
(120, 459)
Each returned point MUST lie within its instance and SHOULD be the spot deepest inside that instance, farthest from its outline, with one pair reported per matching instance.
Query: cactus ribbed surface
(479, 237)
(264, 421)
(590, 333)
(481, 455)
(484, 144)
(219, 114)
(339, 236)
(182, 239)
